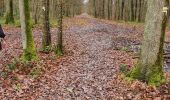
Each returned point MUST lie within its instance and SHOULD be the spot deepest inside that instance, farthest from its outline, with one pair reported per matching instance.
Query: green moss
(12, 66)
(152, 75)
(53, 23)
(35, 72)
(123, 68)
(59, 51)
(17, 23)
(9, 19)
(129, 79)
(9, 14)
(135, 72)
(29, 52)
(2, 20)
(155, 77)
(46, 49)
(29, 55)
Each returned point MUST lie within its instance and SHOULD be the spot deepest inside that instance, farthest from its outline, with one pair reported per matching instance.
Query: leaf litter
(89, 70)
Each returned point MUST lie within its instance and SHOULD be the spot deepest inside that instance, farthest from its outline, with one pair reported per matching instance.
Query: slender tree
(149, 68)
(108, 9)
(9, 12)
(59, 49)
(46, 41)
(103, 9)
(95, 10)
(26, 27)
(2, 8)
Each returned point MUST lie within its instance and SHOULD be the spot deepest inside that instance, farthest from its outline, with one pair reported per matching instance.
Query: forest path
(89, 68)
(90, 65)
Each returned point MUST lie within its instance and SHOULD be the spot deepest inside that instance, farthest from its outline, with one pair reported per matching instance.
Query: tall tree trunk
(103, 9)
(108, 9)
(59, 49)
(111, 9)
(149, 68)
(46, 41)
(1, 7)
(132, 10)
(95, 9)
(36, 12)
(26, 27)
(9, 12)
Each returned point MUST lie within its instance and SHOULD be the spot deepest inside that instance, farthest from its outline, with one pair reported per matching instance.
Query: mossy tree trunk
(46, 41)
(59, 49)
(26, 27)
(149, 68)
(9, 12)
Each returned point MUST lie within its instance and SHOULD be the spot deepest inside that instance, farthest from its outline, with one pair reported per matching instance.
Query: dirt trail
(87, 70)
(95, 62)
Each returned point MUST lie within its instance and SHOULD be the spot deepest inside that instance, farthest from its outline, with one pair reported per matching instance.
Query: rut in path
(90, 67)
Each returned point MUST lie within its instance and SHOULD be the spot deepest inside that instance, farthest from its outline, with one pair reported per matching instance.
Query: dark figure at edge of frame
(2, 36)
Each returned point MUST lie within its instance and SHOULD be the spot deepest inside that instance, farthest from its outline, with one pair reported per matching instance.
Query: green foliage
(29, 55)
(46, 49)
(125, 48)
(155, 77)
(12, 66)
(129, 79)
(152, 76)
(17, 87)
(135, 72)
(4, 74)
(9, 19)
(2, 20)
(59, 52)
(123, 68)
(35, 72)
(29, 52)
(53, 23)
(17, 23)
(26, 63)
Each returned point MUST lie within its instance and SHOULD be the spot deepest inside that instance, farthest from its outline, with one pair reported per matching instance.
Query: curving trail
(88, 70)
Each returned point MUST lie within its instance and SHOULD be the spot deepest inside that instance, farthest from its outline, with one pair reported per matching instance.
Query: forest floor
(94, 49)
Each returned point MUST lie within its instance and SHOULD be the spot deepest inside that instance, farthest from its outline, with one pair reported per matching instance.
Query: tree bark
(46, 41)
(9, 12)
(95, 12)
(149, 68)
(59, 49)
(26, 27)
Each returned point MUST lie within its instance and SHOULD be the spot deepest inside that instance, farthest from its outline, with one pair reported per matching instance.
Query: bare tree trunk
(46, 41)
(9, 12)
(95, 9)
(149, 68)
(103, 9)
(59, 49)
(2, 7)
